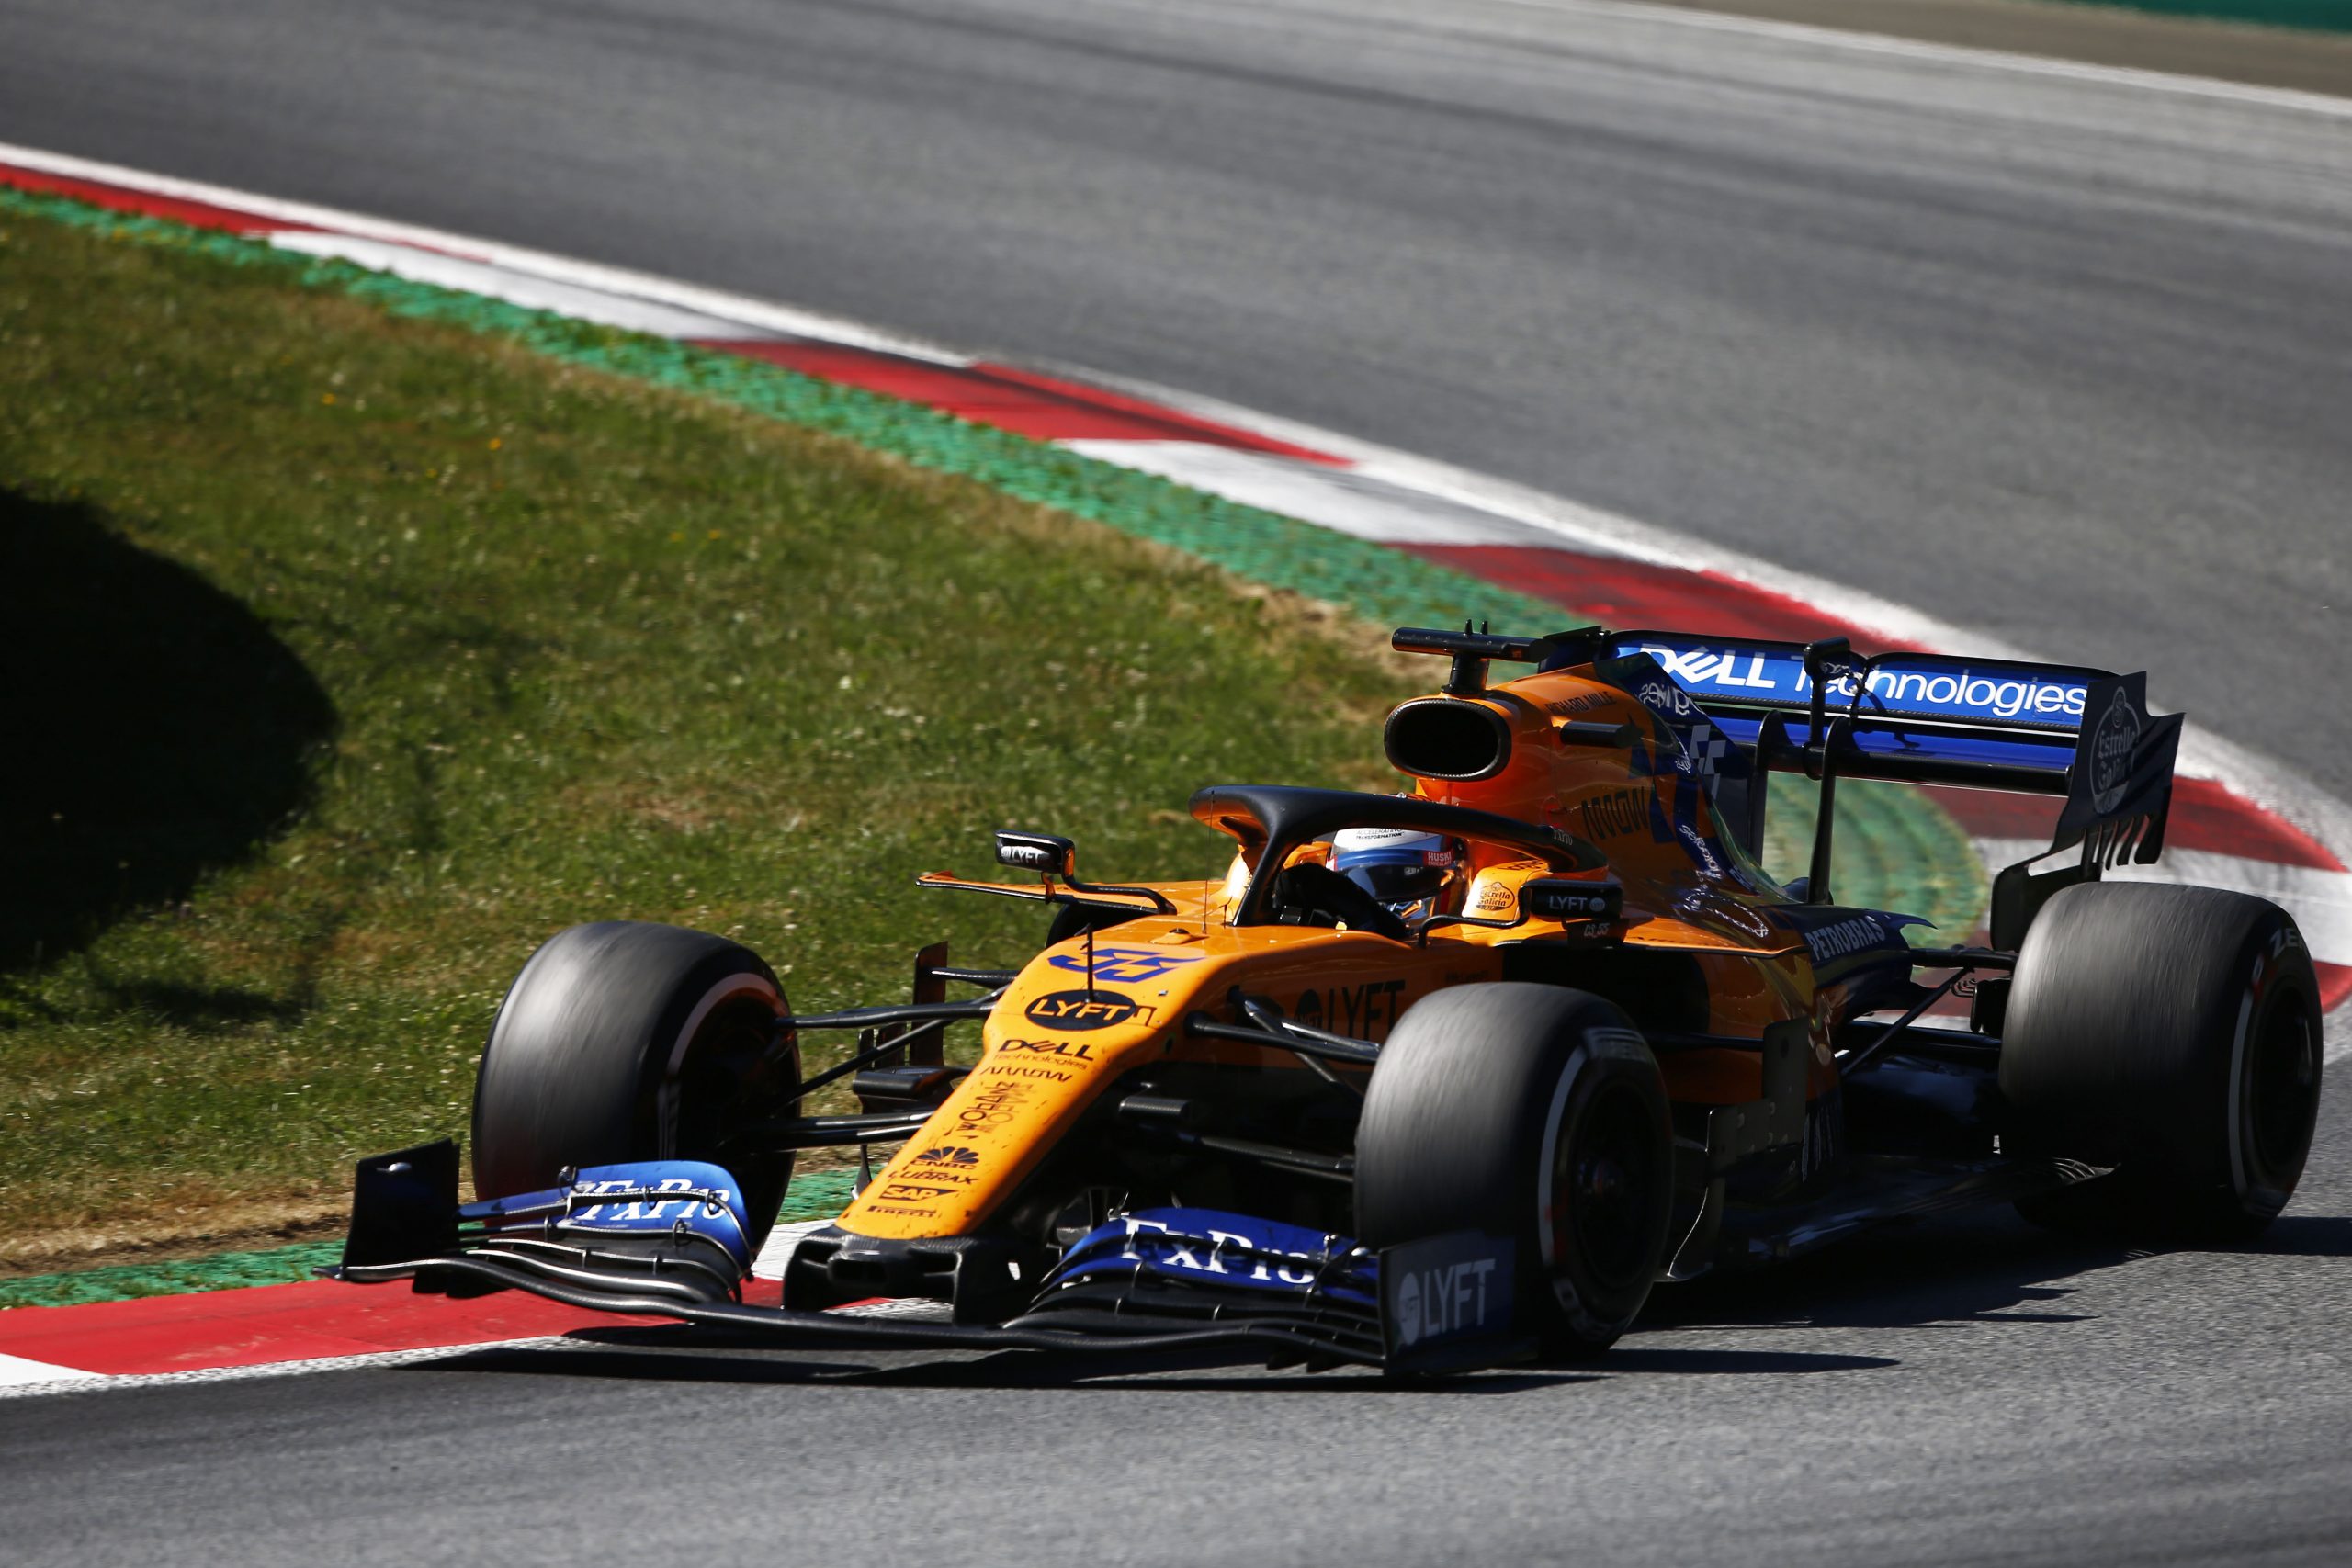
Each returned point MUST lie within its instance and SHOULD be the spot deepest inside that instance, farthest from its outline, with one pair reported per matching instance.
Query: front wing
(668, 1240)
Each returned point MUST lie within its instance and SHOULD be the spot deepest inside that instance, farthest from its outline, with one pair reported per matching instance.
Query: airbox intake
(1439, 737)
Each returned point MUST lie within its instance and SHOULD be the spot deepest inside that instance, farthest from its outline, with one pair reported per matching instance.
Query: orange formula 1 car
(1434, 1080)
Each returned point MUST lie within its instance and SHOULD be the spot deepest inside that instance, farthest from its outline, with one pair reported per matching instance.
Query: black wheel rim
(732, 1077)
(2278, 1093)
(1605, 1187)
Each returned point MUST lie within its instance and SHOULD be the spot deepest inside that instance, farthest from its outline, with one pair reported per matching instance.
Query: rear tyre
(622, 1042)
(1531, 1113)
(2173, 1034)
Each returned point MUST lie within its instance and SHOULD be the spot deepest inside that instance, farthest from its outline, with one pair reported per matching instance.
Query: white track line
(630, 312)
(69, 1380)
(36, 1377)
(734, 308)
(1950, 54)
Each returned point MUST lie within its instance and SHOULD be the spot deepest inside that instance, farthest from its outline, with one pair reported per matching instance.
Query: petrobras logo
(1932, 691)
(1856, 935)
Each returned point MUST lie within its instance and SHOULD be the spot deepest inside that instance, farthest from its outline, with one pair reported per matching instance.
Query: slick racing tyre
(1536, 1113)
(622, 1042)
(2172, 1033)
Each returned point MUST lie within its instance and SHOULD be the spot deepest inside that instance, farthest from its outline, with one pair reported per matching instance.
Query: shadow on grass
(157, 730)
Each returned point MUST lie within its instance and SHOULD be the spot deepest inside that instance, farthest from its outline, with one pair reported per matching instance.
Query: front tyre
(622, 1042)
(1536, 1113)
(2173, 1034)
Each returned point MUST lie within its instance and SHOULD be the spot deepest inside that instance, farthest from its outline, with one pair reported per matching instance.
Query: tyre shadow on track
(1985, 1267)
(1972, 1269)
(159, 730)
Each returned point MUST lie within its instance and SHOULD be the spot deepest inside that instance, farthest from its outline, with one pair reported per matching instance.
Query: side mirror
(1558, 898)
(1039, 852)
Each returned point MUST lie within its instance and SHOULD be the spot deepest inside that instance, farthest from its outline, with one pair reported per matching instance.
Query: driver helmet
(1406, 871)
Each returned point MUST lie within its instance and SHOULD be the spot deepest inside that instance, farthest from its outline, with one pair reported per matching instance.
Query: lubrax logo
(1084, 1012)
(1073, 1050)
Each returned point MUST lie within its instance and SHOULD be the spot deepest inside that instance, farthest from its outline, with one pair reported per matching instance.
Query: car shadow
(683, 1353)
(1981, 1269)
(679, 1353)
(1969, 1269)
(163, 731)
(1985, 1267)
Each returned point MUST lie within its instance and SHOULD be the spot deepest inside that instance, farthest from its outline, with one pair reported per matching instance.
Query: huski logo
(2112, 745)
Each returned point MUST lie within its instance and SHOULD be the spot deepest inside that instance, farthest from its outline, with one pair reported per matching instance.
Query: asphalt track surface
(2054, 356)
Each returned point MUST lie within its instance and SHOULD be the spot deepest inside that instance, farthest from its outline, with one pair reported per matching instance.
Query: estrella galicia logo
(948, 1153)
(1124, 965)
(1080, 1011)
(2112, 744)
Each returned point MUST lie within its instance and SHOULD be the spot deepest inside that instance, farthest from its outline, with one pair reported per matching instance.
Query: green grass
(369, 652)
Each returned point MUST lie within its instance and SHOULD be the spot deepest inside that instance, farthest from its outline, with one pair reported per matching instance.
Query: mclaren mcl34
(1429, 1081)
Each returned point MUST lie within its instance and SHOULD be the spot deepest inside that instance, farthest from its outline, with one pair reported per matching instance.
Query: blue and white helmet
(1405, 870)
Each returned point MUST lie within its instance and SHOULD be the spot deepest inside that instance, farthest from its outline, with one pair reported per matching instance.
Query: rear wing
(1822, 710)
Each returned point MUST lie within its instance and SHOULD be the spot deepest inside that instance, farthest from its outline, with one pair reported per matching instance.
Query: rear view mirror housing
(1570, 901)
(1042, 852)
